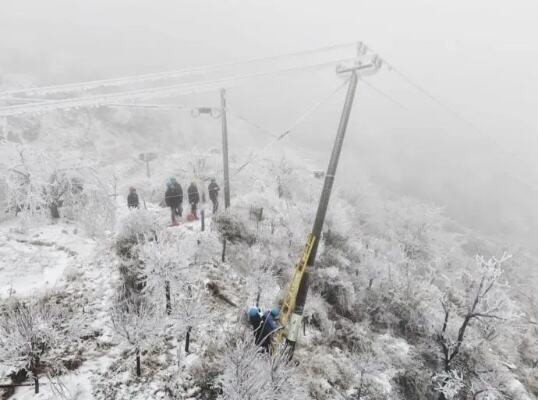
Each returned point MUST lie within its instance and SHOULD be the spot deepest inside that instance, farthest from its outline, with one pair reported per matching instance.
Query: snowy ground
(60, 256)
(38, 260)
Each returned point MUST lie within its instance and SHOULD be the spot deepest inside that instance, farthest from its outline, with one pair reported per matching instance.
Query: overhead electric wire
(151, 106)
(250, 122)
(163, 91)
(89, 85)
(298, 121)
(435, 99)
(449, 109)
(383, 94)
(455, 114)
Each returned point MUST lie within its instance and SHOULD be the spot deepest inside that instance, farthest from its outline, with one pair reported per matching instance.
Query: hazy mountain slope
(387, 271)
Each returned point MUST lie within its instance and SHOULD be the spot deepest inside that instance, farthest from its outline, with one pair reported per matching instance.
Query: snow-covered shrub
(248, 373)
(414, 383)
(30, 332)
(232, 227)
(416, 227)
(38, 186)
(449, 384)
(4, 199)
(337, 289)
(244, 372)
(350, 336)
(97, 213)
(137, 223)
(133, 228)
(25, 197)
(315, 313)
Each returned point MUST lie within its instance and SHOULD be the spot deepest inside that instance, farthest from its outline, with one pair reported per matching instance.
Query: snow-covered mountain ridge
(394, 283)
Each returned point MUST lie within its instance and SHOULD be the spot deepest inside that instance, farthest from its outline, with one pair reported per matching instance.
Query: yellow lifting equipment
(290, 322)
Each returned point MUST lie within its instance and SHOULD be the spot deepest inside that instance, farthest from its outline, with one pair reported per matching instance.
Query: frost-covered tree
(250, 374)
(165, 257)
(261, 280)
(38, 185)
(136, 319)
(30, 331)
(481, 305)
(284, 179)
(95, 210)
(188, 311)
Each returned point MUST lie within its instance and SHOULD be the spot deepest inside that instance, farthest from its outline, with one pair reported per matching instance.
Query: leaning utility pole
(300, 300)
(225, 149)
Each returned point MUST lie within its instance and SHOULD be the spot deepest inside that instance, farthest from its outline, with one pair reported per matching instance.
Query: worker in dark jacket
(255, 320)
(213, 190)
(132, 198)
(263, 326)
(194, 199)
(173, 198)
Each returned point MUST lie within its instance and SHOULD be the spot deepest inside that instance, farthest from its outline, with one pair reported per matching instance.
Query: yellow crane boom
(290, 322)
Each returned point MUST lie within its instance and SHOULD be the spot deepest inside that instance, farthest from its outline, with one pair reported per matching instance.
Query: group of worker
(264, 326)
(173, 198)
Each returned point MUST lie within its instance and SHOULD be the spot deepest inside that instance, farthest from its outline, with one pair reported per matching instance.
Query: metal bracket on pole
(361, 68)
(213, 111)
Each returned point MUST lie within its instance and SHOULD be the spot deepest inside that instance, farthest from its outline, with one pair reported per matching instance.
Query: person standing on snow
(194, 199)
(132, 198)
(213, 190)
(173, 198)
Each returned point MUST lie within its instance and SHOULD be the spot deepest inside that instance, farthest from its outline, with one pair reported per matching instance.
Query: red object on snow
(190, 217)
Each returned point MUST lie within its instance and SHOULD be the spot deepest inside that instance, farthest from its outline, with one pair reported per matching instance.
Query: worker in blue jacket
(264, 325)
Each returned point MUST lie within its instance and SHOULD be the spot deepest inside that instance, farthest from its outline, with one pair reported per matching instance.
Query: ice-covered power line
(153, 77)
(451, 112)
(158, 92)
(383, 94)
(418, 87)
(294, 125)
(248, 121)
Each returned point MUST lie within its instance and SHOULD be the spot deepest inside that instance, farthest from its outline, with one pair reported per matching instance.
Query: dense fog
(162, 233)
(478, 58)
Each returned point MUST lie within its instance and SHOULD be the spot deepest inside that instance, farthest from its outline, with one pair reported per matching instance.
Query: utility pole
(147, 157)
(296, 317)
(225, 149)
(4, 128)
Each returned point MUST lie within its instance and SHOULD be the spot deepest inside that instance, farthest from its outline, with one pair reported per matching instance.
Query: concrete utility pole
(4, 127)
(147, 157)
(322, 207)
(148, 174)
(225, 149)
